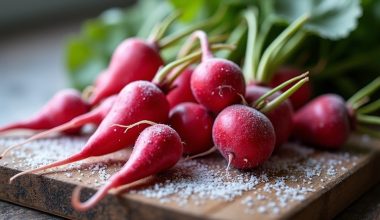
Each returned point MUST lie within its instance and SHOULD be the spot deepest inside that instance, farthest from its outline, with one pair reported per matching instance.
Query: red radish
(194, 125)
(327, 120)
(181, 91)
(281, 117)
(299, 98)
(157, 149)
(324, 122)
(64, 106)
(216, 83)
(244, 136)
(95, 116)
(134, 59)
(138, 101)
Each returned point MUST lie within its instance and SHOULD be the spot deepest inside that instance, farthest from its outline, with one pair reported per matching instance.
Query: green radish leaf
(330, 19)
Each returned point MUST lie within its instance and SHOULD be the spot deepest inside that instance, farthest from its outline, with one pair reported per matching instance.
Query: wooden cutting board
(297, 183)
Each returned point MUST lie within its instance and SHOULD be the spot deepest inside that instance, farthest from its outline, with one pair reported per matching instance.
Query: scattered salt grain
(286, 178)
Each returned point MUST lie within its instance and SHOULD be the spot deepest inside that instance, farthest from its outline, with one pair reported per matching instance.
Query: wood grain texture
(51, 192)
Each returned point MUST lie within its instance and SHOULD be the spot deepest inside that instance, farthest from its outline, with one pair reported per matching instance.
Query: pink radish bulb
(323, 122)
(280, 117)
(216, 83)
(134, 59)
(300, 97)
(63, 107)
(244, 136)
(194, 125)
(158, 148)
(95, 116)
(138, 101)
(181, 91)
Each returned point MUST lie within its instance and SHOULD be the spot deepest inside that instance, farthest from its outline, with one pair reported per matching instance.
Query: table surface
(29, 60)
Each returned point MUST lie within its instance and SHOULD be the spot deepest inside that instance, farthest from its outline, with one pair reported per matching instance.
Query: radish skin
(63, 107)
(216, 83)
(181, 91)
(323, 122)
(157, 149)
(95, 116)
(194, 125)
(300, 97)
(136, 102)
(281, 117)
(134, 59)
(244, 136)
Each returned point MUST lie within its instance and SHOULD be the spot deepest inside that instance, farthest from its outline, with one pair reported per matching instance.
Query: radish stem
(267, 57)
(235, 37)
(368, 119)
(167, 41)
(249, 68)
(263, 33)
(278, 88)
(160, 28)
(162, 73)
(185, 51)
(205, 45)
(282, 54)
(366, 91)
(374, 106)
(280, 99)
(176, 72)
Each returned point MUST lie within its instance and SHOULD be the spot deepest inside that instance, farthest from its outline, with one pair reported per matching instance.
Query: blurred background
(48, 45)
(33, 38)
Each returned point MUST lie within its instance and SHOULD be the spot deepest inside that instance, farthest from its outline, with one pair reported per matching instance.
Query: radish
(139, 100)
(194, 125)
(216, 83)
(63, 107)
(244, 136)
(134, 59)
(281, 117)
(95, 116)
(327, 120)
(137, 59)
(300, 97)
(136, 103)
(157, 149)
(276, 106)
(181, 91)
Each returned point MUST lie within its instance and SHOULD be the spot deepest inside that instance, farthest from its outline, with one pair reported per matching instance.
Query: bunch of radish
(195, 105)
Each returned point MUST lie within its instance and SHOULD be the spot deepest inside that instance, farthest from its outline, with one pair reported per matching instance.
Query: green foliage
(331, 19)
(88, 53)
(339, 47)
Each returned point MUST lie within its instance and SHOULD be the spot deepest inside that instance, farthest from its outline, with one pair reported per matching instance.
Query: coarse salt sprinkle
(288, 177)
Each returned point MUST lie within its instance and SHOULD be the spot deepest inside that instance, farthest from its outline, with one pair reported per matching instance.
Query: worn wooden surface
(332, 193)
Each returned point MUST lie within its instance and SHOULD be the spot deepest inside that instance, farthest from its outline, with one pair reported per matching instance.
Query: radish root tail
(84, 206)
(74, 158)
(230, 158)
(62, 127)
(209, 151)
(87, 92)
(127, 127)
(243, 100)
